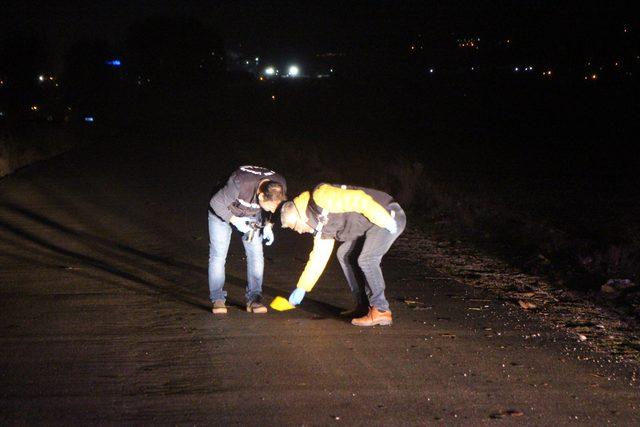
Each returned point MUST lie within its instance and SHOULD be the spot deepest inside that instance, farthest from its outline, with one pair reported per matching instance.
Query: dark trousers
(374, 245)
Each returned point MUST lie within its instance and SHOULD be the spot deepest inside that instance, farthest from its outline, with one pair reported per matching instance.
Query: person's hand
(241, 223)
(296, 296)
(267, 234)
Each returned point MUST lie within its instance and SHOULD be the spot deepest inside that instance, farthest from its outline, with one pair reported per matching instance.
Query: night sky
(291, 27)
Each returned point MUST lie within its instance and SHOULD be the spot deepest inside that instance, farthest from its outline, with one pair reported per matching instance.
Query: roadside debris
(526, 305)
(506, 413)
(608, 316)
(616, 286)
(414, 304)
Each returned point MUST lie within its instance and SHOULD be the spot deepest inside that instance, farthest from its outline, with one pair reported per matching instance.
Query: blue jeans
(375, 244)
(219, 239)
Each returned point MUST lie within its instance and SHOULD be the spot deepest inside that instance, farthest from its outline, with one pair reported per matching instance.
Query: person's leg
(376, 245)
(255, 267)
(345, 254)
(219, 238)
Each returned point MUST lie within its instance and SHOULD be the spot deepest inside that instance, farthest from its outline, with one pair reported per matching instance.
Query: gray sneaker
(219, 307)
(256, 306)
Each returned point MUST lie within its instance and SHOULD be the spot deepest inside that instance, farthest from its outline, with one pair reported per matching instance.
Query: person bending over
(249, 191)
(351, 215)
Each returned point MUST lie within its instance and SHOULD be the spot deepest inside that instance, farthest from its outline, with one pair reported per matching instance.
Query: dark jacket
(239, 196)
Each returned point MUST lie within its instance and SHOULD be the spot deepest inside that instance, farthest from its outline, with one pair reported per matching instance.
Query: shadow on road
(109, 253)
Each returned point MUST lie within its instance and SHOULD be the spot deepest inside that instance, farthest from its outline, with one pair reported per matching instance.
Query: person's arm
(339, 200)
(316, 264)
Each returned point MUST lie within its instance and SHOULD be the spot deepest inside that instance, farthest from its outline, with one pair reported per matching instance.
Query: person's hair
(286, 211)
(272, 191)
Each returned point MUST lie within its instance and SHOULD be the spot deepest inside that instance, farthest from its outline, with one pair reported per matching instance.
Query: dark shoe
(256, 307)
(374, 317)
(219, 307)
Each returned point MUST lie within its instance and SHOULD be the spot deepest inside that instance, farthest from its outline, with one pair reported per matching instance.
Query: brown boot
(374, 317)
(219, 307)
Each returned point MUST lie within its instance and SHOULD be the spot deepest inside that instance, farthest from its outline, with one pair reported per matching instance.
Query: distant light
(34, 108)
(294, 71)
(516, 69)
(1, 113)
(88, 119)
(331, 70)
(257, 59)
(594, 77)
(431, 70)
(269, 71)
(114, 62)
(273, 97)
(261, 78)
(41, 77)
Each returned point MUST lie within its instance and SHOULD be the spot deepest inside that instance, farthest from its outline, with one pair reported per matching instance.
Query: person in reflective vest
(248, 191)
(351, 215)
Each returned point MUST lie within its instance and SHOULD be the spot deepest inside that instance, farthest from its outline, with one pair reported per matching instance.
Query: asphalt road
(104, 318)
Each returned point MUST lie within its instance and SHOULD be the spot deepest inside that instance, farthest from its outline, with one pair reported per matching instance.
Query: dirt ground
(105, 319)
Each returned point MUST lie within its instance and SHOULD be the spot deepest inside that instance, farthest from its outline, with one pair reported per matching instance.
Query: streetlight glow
(294, 71)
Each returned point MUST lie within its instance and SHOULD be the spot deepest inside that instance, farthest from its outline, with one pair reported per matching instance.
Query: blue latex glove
(296, 296)
(267, 234)
(241, 223)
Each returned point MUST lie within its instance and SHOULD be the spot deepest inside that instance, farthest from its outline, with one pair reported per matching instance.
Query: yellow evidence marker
(281, 304)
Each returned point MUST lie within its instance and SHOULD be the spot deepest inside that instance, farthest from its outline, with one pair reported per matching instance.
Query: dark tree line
(173, 52)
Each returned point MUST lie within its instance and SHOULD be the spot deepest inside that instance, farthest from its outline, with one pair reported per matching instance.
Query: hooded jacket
(239, 196)
(338, 212)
